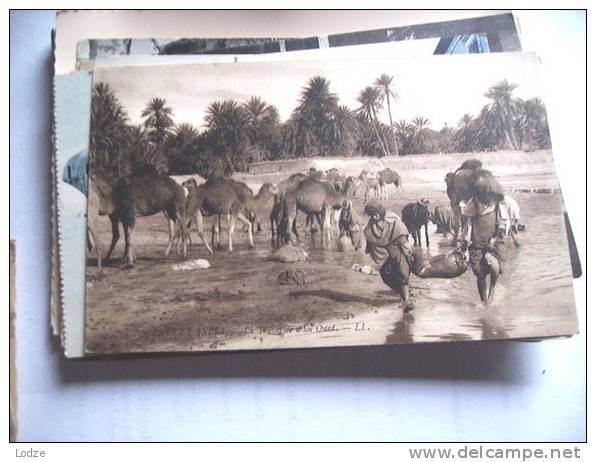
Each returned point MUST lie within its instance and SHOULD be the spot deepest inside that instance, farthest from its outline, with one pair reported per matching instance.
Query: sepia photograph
(303, 204)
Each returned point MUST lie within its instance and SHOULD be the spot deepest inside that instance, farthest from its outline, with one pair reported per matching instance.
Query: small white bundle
(200, 263)
(366, 269)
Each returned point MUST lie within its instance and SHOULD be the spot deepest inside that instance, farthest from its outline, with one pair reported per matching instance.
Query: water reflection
(402, 332)
(533, 295)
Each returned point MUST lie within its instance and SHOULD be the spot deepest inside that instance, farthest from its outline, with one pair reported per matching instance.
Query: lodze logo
(30, 453)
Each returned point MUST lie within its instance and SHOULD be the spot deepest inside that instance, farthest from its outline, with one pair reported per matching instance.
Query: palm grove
(236, 134)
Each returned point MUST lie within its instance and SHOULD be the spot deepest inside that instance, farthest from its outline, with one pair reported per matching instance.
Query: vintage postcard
(483, 34)
(245, 31)
(438, 32)
(325, 203)
(72, 115)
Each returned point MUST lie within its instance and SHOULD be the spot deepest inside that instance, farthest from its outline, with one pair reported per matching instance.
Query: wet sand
(237, 303)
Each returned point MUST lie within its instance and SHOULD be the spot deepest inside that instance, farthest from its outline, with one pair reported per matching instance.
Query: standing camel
(370, 184)
(145, 193)
(250, 211)
(276, 214)
(415, 215)
(225, 197)
(460, 189)
(350, 187)
(312, 198)
(99, 203)
(387, 177)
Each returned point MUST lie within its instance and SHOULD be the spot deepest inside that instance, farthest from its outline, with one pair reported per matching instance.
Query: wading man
(388, 240)
(487, 216)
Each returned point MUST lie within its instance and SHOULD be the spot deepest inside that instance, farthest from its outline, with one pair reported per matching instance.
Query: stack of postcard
(308, 179)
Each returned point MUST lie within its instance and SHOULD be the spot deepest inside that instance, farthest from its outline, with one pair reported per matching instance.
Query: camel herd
(318, 195)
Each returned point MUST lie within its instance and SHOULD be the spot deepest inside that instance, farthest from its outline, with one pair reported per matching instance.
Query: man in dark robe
(387, 241)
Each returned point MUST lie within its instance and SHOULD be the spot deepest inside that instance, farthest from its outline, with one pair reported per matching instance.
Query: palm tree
(317, 99)
(420, 138)
(141, 151)
(489, 135)
(403, 131)
(464, 137)
(505, 108)
(444, 139)
(345, 131)
(228, 120)
(260, 112)
(184, 134)
(263, 127)
(313, 117)
(227, 135)
(370, 104)
(158, 120)
(384, 82)
(532, 124)
(108, 128)
(182, 149)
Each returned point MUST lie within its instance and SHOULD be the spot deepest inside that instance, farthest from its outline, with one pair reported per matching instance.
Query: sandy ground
(238, 303)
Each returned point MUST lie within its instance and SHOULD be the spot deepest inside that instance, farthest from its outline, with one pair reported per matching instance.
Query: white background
(460, 392)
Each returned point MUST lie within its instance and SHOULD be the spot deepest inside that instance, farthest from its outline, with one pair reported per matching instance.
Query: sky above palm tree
(440, 88)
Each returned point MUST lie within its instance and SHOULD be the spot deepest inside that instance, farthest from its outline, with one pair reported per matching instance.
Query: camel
(336, 178)
(250, 213)
(93, 242)
(315, 174)
(225, 197)
(291, 182)
(387, 177)
(142, 194)
(275, 218)
(468, 181)
(460, 188)
(244, 190)
(370, 184)
(99, 202)
(276, 214)
(350, 187)
(415, 215)
(312, 197)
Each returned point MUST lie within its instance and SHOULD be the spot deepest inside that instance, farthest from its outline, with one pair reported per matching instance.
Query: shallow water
(534, 296)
